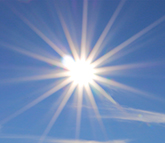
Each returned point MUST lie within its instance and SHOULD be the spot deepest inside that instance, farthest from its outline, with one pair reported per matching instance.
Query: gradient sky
(31, 31)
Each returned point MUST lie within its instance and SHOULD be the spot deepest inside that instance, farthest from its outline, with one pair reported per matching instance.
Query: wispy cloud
(52, 140)
(84, 141)
(135, 115)
(129, 114)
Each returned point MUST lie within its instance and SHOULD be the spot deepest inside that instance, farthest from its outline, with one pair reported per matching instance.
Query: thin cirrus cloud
(132, 114)
(52, 140)
(83, 141)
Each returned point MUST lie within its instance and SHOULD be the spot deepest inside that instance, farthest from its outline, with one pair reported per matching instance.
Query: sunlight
(37, 100)
(121, 86)
(58, 111)
(33, 55)
(68, 37)
(127, 42)
(37, 31)
(105, 32)
(94, 106)
(84, 30)
(102, 91)
(79, 109)
(81, 72)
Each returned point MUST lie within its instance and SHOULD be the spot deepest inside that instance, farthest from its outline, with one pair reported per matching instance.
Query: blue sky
(123, 40)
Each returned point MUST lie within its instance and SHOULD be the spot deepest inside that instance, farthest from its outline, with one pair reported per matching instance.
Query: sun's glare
(80, 71)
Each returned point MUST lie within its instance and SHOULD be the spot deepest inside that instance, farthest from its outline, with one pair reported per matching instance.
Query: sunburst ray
(92, 100)
(38, 77)
(84, 30)
(105, 32)
(109, 69)
(103, 92)
(39, 33)
(33, 55)
(127, 42)
(58, 111)
(121, 86)
(107, 96)
(68, 37)
(38, 100)
(79, 108)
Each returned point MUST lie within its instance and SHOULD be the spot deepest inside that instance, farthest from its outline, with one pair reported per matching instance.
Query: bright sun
(80, 71)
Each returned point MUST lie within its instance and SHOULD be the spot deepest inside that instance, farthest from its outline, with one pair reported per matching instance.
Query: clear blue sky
(35, 35)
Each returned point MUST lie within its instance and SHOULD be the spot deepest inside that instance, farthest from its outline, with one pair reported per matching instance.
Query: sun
(80, 71)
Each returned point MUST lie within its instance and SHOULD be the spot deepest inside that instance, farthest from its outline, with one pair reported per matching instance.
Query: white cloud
(84, 141)
(135, 115)
(52, 140)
